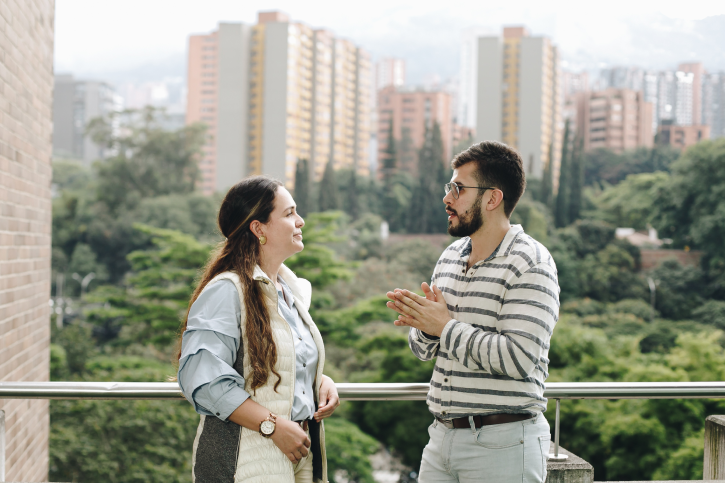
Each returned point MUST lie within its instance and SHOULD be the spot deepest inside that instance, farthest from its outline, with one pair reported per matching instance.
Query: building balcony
(562, 465)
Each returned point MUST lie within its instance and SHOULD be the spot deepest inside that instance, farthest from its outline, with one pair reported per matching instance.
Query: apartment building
(681, 137)
(75, 103)
(274, 93)
(614, 119)
(389, 72)
(713, 104)
(411, 111)
(519, 96)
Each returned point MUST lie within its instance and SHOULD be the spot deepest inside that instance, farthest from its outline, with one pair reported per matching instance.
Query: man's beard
(469, 222)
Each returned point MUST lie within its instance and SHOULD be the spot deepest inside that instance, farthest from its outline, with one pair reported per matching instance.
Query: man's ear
(495, 200)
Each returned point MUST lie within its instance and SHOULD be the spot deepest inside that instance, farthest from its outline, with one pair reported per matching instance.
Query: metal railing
(373, 392)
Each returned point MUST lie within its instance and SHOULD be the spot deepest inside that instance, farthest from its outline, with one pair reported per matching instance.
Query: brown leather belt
(462, 423)
(304, 424)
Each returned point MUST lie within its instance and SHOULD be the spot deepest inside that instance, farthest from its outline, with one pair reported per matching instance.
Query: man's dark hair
(497, 166)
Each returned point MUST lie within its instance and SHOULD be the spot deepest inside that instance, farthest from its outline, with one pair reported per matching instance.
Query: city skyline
(653, 35)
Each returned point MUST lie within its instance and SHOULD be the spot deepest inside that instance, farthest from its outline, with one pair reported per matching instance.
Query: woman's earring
(263, 240)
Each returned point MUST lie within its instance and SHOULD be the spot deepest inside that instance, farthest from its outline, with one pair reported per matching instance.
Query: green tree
(152, 301)
(607, 167)
(319, 263)
(426, 198)
(577, 180)
(631, 203)
(150, 160)
(302, 187)
(329, 199)
(389, 163)
(407, 155)
(546, 195)
(397, 193)
(349, 451)
(353, 203)
(561, 209)
(690, 209)
(122, 441)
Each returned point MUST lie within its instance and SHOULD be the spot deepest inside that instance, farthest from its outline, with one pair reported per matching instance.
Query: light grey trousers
(500, 453)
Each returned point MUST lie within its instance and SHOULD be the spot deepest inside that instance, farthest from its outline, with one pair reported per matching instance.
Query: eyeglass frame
(456, 192)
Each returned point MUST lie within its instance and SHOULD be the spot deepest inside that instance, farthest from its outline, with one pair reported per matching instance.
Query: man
(487, 319)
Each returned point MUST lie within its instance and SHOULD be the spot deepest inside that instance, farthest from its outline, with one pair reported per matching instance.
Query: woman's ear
(256, 228)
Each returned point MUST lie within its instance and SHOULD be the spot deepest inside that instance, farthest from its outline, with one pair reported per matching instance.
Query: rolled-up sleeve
(209, 348)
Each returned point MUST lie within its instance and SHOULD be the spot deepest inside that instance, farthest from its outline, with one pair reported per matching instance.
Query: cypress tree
(390, 155)
(427, 194)
(577, 181)
(547, 182)
(329, 199)
(561, 210)
(302, 187)
(353, 203)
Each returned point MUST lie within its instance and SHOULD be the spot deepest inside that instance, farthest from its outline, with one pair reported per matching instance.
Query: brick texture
(26, 93)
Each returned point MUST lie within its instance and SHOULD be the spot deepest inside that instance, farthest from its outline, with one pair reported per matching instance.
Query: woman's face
(284, 229)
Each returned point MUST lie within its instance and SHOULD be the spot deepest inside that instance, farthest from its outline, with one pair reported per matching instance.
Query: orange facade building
(614, 119)
(411, 112)
(275, 93)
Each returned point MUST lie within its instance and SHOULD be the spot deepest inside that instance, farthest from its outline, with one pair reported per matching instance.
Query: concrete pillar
(714, 464)
(573, 470)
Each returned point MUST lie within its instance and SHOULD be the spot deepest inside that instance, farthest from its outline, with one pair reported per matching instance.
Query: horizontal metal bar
(364, 391)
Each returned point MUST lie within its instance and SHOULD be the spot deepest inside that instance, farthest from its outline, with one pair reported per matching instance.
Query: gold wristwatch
(267, 427)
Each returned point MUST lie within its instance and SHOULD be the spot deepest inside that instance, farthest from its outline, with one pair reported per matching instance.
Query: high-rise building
(218, 96)
(389, 72)
(519, 97)
(468, 77)
(275, 93)
(614, 119)
(698, 73)
(574, 82)
(713, 104)
(411, 112)
(75, 103)
(682, 137)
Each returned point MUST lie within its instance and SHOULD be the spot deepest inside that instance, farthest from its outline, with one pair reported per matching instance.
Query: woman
(251, 357)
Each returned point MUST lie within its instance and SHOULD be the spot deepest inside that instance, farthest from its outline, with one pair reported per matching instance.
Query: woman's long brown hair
(249, 200)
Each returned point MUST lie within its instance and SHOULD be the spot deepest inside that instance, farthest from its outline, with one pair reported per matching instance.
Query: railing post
(714, 460)
(2, 445)
(557, 456)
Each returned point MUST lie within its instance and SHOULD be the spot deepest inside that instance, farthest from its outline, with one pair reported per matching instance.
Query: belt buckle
(448, 423)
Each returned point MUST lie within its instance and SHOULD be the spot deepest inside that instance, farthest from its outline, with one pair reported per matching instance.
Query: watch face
(267, 427)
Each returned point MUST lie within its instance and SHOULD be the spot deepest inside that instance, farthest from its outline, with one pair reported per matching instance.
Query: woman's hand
(291, 439)
(329, 400)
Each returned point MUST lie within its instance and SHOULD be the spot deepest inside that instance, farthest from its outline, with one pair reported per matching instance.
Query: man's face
(464, 214)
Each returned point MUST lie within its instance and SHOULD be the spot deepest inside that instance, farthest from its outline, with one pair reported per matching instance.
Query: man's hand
(329, 399)
(428, 314)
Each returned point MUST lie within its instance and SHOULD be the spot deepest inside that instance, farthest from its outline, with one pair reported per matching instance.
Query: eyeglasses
(456, 188)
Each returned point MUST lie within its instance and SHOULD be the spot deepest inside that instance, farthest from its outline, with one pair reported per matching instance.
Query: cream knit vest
(260, 461)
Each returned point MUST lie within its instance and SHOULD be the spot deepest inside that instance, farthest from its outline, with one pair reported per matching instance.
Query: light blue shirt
(209, 349)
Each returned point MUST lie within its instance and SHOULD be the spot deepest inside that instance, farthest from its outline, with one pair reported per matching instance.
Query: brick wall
(26, 88)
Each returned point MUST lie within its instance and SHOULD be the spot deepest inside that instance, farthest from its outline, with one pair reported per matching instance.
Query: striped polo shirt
(492, 355)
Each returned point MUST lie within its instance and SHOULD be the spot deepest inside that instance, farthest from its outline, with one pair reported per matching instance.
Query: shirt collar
(502, 250)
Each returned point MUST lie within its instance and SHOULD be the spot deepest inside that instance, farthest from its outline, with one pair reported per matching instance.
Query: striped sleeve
(424, 347)
(529, 311)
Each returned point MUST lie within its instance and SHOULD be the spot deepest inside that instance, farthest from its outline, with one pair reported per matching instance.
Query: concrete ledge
(573, 470)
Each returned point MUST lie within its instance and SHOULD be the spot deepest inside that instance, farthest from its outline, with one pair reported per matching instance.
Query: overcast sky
(110, 38)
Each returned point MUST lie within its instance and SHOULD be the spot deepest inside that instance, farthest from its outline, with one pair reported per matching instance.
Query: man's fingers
(393, 306)
(428, 292)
